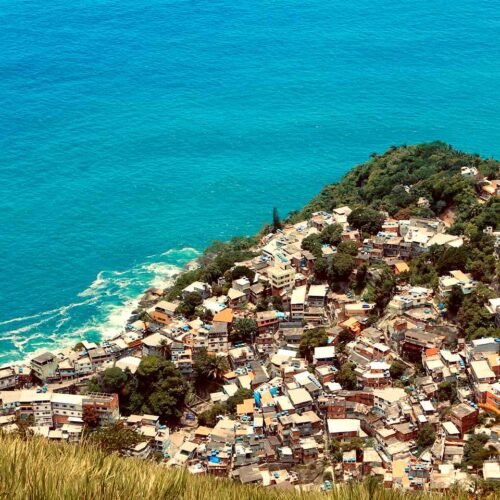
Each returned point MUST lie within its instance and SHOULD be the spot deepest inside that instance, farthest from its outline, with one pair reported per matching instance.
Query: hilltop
(432, 171)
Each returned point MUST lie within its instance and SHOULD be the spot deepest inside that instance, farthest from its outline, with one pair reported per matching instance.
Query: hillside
(395, 180)
(39, 469)
(357, 319)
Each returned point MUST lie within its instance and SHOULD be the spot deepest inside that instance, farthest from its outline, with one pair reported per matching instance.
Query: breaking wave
(108, 302)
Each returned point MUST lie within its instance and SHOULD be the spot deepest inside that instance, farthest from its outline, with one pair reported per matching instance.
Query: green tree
(188, 306)
(345, 336)
(115, 438)
(341, 267)
(384, 285)
(262, 305)
(243, 271)
(473, 318)
(165, 346)
(320, 269)
(397, 369)
(348, 247)
(209, 417)
(277, 303)
(93, 385)
(113, 380)
(361, 277)
(346, 376)
(244, 329)
(454, 300)
(336, 451)
(452, 259)
(475, 452)
(426, 437)
(211, 273)
(312, 243)
(332, 234)
(423, 273)
(160, 388)
(366, 220)
(209, 366)
(78, 347)
(276, 220)
(146, 319)
(447, 391)
(311, 339)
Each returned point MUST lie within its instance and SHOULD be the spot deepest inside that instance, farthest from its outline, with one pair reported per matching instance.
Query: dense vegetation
(395, 181)
(216, 261)
(156, 388)
(36, 468)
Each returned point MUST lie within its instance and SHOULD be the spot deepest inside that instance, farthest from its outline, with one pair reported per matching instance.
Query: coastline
(110, 301)
(165, 279)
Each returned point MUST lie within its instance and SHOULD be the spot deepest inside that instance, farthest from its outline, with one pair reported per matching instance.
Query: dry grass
(37, 469)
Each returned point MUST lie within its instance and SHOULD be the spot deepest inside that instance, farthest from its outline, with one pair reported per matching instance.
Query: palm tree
(216, 367)
(165, 348)
(146, 319)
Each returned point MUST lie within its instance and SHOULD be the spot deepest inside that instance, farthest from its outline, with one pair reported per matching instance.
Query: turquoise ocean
(133, 133)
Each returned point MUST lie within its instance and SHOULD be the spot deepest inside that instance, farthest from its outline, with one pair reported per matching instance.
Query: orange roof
(266, 398)
(432, 351)
(350, 322)
(224, 316)
(493, 360)
(245, 407)
(203, 431)
(402, 267)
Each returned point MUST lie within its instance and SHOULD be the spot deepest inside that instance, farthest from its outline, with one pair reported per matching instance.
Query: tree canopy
(244, 329)
(366, 219)
(311, 339)
(209, 366)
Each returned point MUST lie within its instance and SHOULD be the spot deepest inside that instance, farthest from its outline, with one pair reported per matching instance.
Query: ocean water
(133, 133)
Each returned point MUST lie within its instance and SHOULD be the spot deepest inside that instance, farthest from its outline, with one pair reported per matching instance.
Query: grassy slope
(40, 469)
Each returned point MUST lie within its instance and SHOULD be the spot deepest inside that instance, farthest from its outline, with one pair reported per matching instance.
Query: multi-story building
(281, 277)
(456, 278)
(184, 361)
(45, 366)
(163, 312)
(8, 378)
(267, 321)
(316, 296)
(297, 303)
(465, 417)
(56, 409)
(218, 338)
(481, 372)
(343, 428)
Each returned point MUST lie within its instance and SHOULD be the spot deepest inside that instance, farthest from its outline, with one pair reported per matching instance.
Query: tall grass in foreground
(37, 469)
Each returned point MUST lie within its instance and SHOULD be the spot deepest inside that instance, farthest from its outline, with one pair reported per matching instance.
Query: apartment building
(45, 366)
(8, 378)
(281, 277)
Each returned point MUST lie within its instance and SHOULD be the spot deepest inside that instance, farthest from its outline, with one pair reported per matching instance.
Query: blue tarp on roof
(214, 460)
(256, 396)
